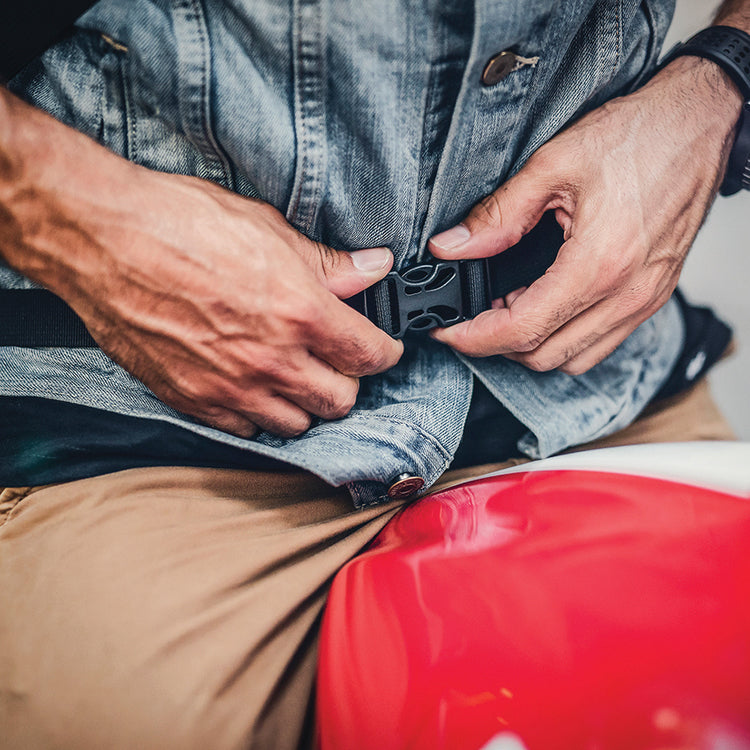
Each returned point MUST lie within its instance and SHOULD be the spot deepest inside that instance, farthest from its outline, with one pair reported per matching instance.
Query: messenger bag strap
(36, 317)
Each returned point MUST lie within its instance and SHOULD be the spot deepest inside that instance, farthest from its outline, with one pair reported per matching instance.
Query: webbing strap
(35, 317)
(410, 301)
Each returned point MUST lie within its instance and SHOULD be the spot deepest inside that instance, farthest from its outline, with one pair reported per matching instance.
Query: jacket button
(497, 67)
(405, 485)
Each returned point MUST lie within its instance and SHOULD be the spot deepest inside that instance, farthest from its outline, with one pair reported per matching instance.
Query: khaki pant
(179, 608)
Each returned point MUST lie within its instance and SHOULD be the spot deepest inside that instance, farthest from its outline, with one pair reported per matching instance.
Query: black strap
(35, 317)
(28, 27)
(440, 293)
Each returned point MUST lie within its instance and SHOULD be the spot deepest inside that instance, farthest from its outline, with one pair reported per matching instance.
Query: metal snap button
(497, 67)
(405, 485)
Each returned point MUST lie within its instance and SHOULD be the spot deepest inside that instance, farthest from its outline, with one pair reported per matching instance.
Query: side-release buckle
(426, 296)
(445, 292)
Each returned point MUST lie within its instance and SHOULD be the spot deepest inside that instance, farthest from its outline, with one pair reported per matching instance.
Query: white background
(717, 270)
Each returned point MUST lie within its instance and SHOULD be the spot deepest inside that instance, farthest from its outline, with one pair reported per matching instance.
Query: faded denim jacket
(367, 123)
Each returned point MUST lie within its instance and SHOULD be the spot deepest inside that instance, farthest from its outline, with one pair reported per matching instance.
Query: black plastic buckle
(426, 296)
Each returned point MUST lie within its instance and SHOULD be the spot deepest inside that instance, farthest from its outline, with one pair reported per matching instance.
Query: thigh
(167, 608)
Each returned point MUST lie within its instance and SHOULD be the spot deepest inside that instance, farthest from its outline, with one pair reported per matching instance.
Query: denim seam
(194, 62)
(131, 124)
(358, 497)
(652, 52)
(309, 111)
(414, 427)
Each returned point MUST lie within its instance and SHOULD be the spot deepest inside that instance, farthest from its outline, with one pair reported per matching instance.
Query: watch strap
(738, 168)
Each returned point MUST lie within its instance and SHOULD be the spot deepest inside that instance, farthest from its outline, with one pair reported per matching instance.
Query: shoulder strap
(28, 27)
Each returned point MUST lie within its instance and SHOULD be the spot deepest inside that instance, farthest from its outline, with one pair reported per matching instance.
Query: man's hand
(214, 301)
(630, 184)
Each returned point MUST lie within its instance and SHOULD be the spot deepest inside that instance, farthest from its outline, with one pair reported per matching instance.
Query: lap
(162, 608)
(179, 607)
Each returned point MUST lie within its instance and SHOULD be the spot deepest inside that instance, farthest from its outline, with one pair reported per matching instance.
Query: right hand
(226, 312)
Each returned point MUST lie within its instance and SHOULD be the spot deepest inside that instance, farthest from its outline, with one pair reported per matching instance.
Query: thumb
(347, 273)
(500, 220)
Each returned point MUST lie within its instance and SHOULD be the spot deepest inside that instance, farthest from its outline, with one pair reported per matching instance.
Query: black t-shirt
(28, 27)
(44, 441)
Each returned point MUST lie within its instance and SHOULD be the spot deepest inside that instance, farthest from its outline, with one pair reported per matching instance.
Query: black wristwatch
(730, 49)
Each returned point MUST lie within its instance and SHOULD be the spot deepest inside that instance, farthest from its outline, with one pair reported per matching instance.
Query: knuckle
(344, 402)
(487, 213)
(293, 426)
(526, 340)
(369, 357)
(540, 361)
(332, 405)
(229, 422)
(330, 259)
(638, 301)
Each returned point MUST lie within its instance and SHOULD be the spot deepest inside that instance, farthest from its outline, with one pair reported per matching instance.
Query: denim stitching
(309, 111)
(194, 60)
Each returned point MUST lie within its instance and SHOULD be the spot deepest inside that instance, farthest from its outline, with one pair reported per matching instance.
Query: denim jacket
(367, 124)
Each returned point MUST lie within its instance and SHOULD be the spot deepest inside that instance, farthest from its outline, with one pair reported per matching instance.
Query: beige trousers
(156, 609)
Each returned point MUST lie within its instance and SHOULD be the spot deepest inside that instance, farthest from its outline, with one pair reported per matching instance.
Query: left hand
(630, 184)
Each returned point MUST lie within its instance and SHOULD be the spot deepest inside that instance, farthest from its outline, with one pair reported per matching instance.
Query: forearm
(54, 184)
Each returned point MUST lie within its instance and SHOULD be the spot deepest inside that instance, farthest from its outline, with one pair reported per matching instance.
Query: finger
(590, 354)
(584, 341)
(347, 273)
(229, 421)
(350, 342)
(561, 351)
(599, 351)
(321, 390)
(279, 416)
(569, 287)
(502, 218)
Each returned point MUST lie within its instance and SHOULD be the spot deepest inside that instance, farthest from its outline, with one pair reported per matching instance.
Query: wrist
(706, 90)
(723, 55)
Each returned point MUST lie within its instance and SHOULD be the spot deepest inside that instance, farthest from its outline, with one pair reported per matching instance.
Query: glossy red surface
(576, 610)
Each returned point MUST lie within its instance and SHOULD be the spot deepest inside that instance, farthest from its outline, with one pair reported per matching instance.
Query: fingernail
(371, 259)
(452, 238)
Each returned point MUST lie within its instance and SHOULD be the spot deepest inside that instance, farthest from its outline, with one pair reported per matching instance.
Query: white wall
(718, 268)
